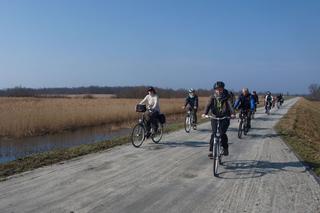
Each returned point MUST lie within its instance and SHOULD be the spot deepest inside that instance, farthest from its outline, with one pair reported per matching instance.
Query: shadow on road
(258, 128)
(265, 118)
(195, 144)
(275, 113)
(250, 134)
(246, 169)
(204, 130)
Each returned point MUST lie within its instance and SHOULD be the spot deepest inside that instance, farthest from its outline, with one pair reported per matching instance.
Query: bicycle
(189, 121)
(243, 124)
(139, 132)
(217, 153)
(268, 108)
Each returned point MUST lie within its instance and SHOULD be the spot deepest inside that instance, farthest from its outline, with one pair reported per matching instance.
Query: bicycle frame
(156, 135)
(189, 121)
(143, 122)
(217, 140)
(217, 155)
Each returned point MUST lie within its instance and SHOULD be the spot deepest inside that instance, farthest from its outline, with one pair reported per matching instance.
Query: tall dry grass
(36, 116)
(300, 127)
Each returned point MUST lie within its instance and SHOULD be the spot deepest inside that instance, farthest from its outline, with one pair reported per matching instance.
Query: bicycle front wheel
(187, 124)
(240, 130)
(216, 159)
(138, 135)
(245, 127)
(157, 136)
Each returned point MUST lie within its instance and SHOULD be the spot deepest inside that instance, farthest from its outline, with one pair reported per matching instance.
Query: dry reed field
(22, 117)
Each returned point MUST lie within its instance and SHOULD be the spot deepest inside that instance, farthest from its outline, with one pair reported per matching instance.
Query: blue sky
(262, 44)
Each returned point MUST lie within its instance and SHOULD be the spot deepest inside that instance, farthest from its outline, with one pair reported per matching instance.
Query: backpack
(269, 98)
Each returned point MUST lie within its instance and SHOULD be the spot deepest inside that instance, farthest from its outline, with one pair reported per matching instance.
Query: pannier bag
(162, 118)
(141, 108)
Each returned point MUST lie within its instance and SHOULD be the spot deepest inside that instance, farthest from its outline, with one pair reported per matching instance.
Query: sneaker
(225, 152)
(195, 127)
(210, 155)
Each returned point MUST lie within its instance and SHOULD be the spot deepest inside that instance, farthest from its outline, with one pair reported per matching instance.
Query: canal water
(12, 149)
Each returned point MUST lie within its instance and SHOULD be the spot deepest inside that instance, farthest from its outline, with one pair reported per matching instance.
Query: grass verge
(56, 156)
(300, 129)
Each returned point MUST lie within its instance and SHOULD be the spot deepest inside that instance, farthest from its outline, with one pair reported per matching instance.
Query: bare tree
(314, 90)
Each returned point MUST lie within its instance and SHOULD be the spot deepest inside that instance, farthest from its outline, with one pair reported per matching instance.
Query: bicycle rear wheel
(138, 135)
(240, 129)
(157, 136)
(187, 124)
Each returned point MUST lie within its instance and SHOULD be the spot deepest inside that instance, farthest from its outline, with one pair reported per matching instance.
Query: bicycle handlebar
(215, 118)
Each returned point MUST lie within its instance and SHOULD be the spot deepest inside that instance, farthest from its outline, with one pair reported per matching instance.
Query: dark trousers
(268, 104)
(194, 113)
(248, 113)
(151, 120)
(224, 125)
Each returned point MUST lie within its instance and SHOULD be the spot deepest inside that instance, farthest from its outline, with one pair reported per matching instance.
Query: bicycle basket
(141, 108)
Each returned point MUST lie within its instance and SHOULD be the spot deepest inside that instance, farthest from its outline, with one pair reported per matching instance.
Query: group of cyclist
(221, 103)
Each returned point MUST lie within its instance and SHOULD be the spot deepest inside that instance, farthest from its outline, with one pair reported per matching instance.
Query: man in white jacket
(153, 109)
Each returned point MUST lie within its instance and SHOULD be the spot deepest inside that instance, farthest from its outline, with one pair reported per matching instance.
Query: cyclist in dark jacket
(220, 106)
(246, 103)
(192, 104)
(256, 99)
(280, 98)
(268, 101)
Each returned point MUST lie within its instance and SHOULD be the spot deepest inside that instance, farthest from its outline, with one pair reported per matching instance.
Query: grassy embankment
(300, 128)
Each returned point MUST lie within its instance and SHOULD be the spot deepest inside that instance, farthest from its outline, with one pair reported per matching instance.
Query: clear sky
(262, 44)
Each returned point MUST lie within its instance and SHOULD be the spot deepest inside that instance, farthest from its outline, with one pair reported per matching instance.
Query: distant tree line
(119, 92)
(314, 91)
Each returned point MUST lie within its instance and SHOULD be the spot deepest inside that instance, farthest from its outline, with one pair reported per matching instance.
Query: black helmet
(218, 84)
(151, 89)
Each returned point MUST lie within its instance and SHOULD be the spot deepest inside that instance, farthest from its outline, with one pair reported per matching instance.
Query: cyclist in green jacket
(220, 106)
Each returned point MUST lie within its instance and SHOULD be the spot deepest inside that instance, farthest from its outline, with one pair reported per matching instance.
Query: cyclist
(280, 99)
(246, 103)
(256, 99)
(220, 106)
(192, 104)
(268, 100)
(153, 106)
(232, 98)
